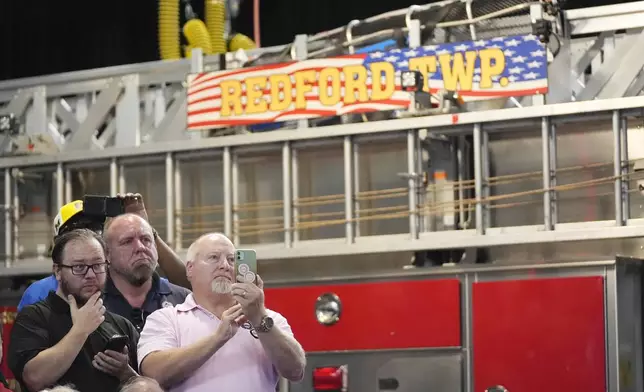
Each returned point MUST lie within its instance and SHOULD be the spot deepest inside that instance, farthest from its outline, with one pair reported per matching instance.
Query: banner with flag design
(477, 70)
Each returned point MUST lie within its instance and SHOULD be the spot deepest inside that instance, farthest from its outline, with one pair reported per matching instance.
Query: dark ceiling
(44, 37)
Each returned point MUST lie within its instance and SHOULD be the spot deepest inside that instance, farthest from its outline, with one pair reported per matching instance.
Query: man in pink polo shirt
(198, 345)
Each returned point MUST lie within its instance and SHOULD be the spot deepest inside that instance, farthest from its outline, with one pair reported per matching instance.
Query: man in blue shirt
(37, 291)
(160, 291)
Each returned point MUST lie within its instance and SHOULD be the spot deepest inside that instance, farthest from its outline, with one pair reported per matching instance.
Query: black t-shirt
(42, 325)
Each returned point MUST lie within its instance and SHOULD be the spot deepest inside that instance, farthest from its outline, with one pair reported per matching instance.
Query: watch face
(268, 322)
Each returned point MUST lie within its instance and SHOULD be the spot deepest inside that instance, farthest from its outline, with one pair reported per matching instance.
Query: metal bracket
(629, 67)
(173, 125)
(66, 115)
(349, 35)
(584, 61)
(82, 138)
(413, 27)
(107, 137)
(36, 114)
(128, 114)
(31, 103)
(18, 104)
(637, 87)
(606, 18)
(619, 69)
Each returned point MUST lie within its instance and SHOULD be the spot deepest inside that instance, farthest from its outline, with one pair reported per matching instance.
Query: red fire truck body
(550, 326)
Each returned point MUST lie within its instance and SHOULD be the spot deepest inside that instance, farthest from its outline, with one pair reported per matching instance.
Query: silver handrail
(390, 32)
(381, 17)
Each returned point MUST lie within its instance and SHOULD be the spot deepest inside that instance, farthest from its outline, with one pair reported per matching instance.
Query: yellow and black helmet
(71, 216)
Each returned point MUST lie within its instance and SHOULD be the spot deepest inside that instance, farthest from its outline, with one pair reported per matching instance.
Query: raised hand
(133, 203)
(87, 318)
(251, 298)
(230, 322)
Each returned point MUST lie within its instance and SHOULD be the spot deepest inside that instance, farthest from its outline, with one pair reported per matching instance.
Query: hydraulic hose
(169, 48)
(197, 35)
(216, 23)
(240, 41)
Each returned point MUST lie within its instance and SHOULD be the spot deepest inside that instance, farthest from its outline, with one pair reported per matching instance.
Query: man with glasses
(63, 339)
(71, 217)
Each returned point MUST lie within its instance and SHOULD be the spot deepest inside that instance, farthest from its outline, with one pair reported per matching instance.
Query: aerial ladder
(53, 126)
(433, 174)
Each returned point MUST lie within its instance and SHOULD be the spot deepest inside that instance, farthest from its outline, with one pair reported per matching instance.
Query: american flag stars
(525, 57)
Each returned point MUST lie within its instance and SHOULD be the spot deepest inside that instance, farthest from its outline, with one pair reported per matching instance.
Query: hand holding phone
(103, 206)
(116, 343)
(246, 266)
(114, 359)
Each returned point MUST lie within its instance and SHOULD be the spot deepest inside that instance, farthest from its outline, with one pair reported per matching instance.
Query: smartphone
(116, 343)
(103, 206)
(246, 265)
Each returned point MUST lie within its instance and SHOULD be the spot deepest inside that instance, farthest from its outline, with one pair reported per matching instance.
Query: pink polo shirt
(239, 365)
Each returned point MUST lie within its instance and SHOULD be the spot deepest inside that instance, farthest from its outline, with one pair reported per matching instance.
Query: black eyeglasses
(81, 269)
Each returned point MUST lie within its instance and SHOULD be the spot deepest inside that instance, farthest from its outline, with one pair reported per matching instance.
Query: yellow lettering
(426, 66)
(230, 96)
(459, 72)
(379, 90)
(490, 69)
(255, 102)
(332, 97)
(303, 85)
(280, 83)
(355, 81)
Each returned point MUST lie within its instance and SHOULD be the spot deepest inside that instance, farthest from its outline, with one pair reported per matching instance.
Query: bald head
(132, 248)
(210, 264)
(205, 241)
(141, 384)
(117, 224)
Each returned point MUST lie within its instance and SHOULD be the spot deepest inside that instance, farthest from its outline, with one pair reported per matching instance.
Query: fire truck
(445, 197)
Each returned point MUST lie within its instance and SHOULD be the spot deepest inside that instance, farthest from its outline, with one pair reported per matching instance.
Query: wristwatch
(155, 234)
(265, 325)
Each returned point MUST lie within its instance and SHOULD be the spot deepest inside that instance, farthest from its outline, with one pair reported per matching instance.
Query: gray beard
(221, 286)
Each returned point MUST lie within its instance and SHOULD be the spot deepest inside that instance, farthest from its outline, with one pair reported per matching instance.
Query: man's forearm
(285, 352)
(170, 367)
(49, 366)
(171, 264)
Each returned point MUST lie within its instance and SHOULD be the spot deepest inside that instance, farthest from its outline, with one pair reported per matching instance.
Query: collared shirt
(163, 294)
(44, 324)
(239, 365)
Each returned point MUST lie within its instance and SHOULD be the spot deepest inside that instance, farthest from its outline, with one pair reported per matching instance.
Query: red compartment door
(376, 315)
(540, 335)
